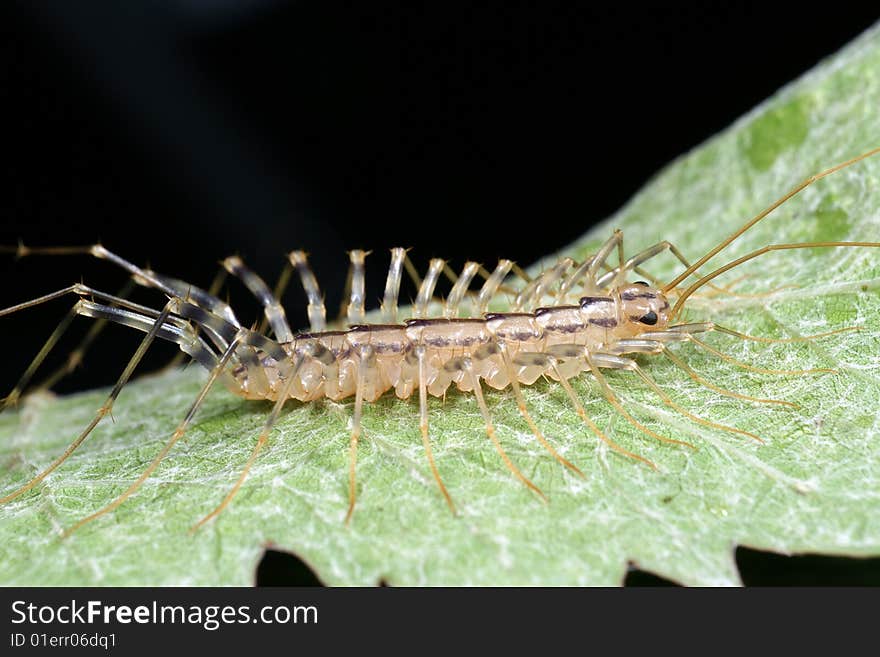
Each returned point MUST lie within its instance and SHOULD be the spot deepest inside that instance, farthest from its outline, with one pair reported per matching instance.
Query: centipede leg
(457, 293)
(364, 364)
(532, 294)
(581, 412)
(75, 358)
(423, 426)
(615, 276)
(490, 429)
(102, 411)
(615, 402)
(262, 441)
(176, 436)
(687, 331)
(316, 311)
(12, 398)
(426, 289)
(655, 343)
(213, 291)
(589, 268)
(392, 285)
(357, 275)
(272, 308)
(617, 362)
(524, 411)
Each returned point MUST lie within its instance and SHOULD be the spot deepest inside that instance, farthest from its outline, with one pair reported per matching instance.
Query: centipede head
(643, 307)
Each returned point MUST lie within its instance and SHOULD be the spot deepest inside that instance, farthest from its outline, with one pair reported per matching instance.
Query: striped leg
(216, 371)
(108, 404)
(272, 309)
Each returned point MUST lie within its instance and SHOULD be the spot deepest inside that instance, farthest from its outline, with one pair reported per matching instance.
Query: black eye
(641, 283)
(650, 319)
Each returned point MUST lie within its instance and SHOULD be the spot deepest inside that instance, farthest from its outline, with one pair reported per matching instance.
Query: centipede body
(571, 319)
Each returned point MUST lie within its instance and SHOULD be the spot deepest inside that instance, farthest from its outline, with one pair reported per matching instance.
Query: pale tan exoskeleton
(596, 319)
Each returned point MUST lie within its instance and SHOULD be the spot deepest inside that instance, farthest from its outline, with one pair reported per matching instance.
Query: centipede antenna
(177, 435)
(676, 309)
(615, 275)
(754, 220)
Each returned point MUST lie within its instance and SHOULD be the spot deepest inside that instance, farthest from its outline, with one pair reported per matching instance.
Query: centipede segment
(573, 319)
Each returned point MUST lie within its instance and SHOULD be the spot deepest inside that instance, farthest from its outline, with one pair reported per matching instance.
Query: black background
(182, 132)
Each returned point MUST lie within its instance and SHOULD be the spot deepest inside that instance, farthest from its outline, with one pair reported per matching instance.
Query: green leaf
(814, 487)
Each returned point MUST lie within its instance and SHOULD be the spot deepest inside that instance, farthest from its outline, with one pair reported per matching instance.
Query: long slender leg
(552, 363)
(686, 331)
(213, 291)
(102, 411)
(79, 290)
(618, 362)
(426, 290)
(355, 310)
(272, 309)
(465, 363)
(207, 300)
(493, 282)
(524, 411)
(411, 271)
(582, 352)
(655, 343)
(534, 292)
(423, 426)
(615, 276)
(12, 398)
(170, 286)
(177, 435)
(216, 316)
(262, 441)
(590, 267)
(75, 358)
(459, 289)
(678, 362)
(316, 311)
(365, 364)
(392, 285)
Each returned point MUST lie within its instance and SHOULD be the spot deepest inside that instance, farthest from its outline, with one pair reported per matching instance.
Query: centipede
(573, 319)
